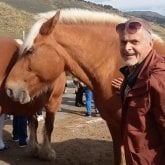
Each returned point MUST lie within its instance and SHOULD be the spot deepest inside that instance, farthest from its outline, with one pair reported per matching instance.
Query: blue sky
(135, 5)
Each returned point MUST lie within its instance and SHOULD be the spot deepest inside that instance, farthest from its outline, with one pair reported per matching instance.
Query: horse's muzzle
(18, 95)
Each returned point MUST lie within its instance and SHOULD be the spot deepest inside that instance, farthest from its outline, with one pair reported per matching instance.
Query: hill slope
(13, 22)
(36, 6)
(149, 16)
(17, 15)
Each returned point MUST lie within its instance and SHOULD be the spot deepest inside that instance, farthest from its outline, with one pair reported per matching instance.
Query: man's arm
(157, 83)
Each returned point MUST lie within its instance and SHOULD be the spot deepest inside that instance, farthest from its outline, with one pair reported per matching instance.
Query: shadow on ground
(70, 152)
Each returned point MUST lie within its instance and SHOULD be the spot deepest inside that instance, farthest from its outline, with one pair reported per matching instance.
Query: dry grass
(13, 22)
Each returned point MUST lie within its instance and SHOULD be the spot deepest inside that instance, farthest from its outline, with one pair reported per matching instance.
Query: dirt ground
(77, 140)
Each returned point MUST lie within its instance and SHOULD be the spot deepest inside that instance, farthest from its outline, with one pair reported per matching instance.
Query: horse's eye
(30, 51)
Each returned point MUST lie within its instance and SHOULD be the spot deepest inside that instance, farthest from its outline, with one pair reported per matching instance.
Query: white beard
(130, 62)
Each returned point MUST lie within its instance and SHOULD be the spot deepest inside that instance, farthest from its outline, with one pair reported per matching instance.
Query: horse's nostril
(18, 95)
(9, 92)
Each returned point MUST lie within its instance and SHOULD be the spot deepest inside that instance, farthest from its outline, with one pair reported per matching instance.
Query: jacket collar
(142, 71)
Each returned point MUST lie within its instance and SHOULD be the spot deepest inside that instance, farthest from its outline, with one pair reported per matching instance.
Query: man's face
(134, 47)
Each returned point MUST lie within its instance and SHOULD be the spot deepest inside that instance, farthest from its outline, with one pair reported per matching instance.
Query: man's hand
(116, 83)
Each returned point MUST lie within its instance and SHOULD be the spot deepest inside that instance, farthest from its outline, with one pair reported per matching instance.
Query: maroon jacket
(143, 119)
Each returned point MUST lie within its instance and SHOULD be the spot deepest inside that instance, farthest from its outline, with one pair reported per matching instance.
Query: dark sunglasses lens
(133, 27)
(120, 27)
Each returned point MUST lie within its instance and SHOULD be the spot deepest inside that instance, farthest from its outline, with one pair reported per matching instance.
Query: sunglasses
(132, 27)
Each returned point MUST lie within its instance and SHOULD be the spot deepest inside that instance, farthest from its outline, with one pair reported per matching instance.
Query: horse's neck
(160, 47)
(91, 53)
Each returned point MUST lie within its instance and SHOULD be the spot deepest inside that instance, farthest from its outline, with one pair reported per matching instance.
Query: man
(143, 95)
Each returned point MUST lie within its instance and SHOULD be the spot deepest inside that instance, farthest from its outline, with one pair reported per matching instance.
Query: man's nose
(128, 46)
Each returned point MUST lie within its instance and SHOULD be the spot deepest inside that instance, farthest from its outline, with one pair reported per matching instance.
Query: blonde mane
(73, 15)
(68, 16)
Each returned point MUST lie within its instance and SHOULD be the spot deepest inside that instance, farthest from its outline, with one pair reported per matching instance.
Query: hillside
(149, 16)
(36, 6)
(17, 15)
(31, 6)
(13, 22)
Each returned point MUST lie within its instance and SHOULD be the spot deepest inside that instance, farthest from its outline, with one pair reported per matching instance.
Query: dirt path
(77, 140)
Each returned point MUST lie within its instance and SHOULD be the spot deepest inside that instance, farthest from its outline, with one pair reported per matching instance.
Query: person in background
(20, 130)
(65, 88)
(79, 92)
(3, 146)
(142, 94)
(89, 98)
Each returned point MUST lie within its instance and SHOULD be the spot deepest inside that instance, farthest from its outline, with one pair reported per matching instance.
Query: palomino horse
(50, 98)
(84, 43)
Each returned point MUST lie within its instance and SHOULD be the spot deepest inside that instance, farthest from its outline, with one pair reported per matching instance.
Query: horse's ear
(49, 25)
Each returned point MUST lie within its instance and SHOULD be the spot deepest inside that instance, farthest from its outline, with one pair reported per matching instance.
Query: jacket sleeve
(157, 92)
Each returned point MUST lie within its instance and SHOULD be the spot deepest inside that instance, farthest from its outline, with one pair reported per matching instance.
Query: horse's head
(36, 69)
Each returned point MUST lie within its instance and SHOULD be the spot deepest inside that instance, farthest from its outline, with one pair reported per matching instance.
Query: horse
(48, 98)
(86, 44)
